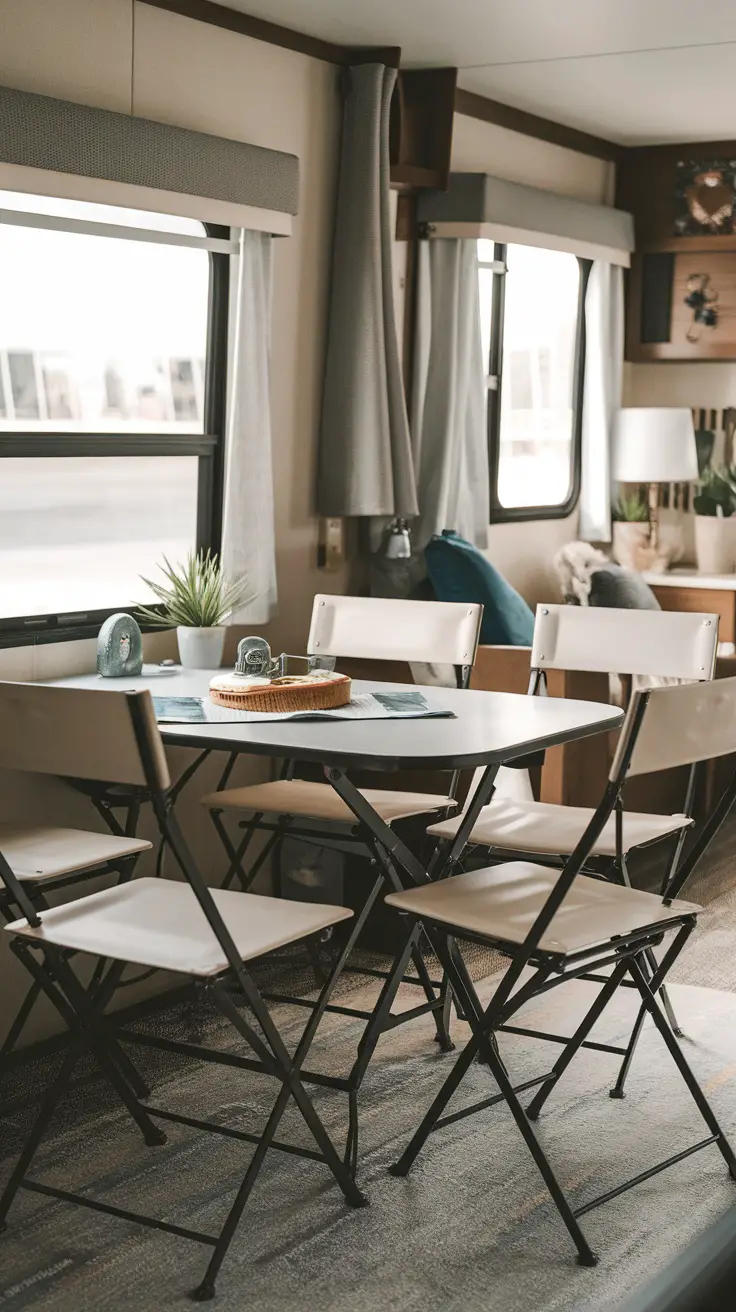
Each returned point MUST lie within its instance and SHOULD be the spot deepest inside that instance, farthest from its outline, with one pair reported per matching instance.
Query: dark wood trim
(410, 177)
(532, 125)
(206, 11)
(232, 20)
(388, 55)
(676, 150)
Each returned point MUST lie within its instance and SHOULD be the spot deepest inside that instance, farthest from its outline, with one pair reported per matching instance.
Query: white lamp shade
(654, 445)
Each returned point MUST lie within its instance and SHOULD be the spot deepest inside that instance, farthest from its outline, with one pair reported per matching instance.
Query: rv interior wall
(710, 384)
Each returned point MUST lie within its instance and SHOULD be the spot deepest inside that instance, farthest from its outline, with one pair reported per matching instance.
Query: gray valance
(39, 132)
(476, 204)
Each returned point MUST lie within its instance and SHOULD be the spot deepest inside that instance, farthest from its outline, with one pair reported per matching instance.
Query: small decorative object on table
(261, 682)
(197, 599)
(119, 647)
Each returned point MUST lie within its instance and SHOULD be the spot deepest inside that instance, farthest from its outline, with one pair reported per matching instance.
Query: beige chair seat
(159, 923)
(39, 852)
(523, 826)
(502, 902)
(317, 801)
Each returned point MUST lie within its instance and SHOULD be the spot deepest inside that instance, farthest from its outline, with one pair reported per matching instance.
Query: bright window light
(536, 392)
(103, 346)
(99, 334)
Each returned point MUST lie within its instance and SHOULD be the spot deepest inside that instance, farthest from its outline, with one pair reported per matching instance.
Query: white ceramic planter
(715, 544)
(200, 649)
(630, 540)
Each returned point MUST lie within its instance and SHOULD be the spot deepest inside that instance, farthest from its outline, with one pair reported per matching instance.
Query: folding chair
(160, 924)
(371, 628)
(644, 644)
(567, 925)
(45, 858)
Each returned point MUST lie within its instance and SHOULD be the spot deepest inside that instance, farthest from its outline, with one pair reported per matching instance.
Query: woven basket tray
(296, 693)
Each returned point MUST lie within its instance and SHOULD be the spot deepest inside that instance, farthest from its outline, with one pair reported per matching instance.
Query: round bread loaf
(297, 692)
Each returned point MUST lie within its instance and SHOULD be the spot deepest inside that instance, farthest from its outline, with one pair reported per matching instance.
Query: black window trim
(208, 447)
(519, 514)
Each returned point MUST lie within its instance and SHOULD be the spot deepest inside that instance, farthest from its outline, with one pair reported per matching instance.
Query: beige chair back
(682, 724)
(666, 644)
(378, 628)
(81, 733)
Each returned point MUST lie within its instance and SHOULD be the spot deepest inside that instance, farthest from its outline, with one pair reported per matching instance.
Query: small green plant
(716, 494)
(631, 509)
(196, 595)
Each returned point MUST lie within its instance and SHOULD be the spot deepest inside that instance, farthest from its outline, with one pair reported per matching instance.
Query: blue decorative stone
(119, 647)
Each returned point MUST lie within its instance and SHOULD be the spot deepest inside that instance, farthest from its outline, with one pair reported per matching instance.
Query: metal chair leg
(581, 1033)
(482, 1025)
(18, 1025)
(651, 1005)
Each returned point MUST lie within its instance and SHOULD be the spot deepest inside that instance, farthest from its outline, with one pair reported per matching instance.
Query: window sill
(43, 633)
(524, 514)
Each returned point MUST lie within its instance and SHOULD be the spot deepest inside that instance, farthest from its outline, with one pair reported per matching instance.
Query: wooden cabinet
(687, 590)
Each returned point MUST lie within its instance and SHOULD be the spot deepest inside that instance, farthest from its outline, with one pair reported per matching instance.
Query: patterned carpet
(472, 1228)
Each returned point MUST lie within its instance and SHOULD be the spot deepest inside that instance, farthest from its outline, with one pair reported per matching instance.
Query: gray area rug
(472, 1228)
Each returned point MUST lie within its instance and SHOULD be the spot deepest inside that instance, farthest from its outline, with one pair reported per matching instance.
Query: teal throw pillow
(460, 572)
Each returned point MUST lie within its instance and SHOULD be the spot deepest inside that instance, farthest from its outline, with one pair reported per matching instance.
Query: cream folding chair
(46, 858)
(370, 628)
(559, 926)
(209, 936)
(645, 644)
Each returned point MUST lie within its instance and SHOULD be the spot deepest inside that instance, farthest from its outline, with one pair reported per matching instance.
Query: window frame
(498, 513)
(208, 447)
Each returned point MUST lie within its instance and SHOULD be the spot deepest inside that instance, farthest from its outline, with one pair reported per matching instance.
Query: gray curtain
(365, 460)
(449, 435)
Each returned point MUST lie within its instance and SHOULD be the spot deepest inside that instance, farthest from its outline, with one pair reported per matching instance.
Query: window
(533, 340)
(113, 331)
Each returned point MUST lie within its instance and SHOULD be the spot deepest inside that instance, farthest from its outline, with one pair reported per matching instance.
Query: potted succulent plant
(196, 599)
(715, 521)
(630, 529)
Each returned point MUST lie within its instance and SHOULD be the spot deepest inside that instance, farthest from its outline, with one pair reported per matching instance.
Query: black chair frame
(93, 1031)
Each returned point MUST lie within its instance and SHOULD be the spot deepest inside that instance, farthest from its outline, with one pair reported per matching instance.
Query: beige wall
(524, 552)
(709, 385)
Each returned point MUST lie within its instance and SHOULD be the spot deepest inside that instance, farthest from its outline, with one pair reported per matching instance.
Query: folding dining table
(486, 729)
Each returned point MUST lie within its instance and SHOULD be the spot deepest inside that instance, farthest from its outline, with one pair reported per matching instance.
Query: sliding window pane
(112, 331)
(77, 533)
(540, 334)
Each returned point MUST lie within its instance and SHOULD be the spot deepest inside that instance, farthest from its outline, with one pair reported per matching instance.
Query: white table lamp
(654, 445)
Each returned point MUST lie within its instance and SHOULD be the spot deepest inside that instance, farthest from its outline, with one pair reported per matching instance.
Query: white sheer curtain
(248, 540)
(604, 356)
(448, 419)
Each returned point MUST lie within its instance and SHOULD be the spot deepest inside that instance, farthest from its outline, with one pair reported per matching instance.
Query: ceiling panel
(469, 32)
(674, 95)
(634, 71)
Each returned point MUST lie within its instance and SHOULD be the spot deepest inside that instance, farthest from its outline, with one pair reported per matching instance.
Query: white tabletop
(690, 578)
(487, 726)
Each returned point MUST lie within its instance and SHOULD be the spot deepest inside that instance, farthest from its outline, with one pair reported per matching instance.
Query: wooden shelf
(404, 176)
